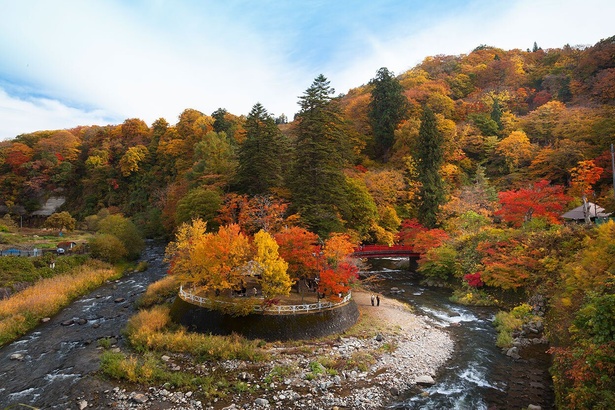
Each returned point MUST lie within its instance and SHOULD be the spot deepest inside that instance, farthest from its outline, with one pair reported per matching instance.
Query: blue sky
(65, 63)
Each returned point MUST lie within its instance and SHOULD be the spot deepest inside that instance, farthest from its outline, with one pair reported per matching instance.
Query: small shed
(578, 214)
(66, 245)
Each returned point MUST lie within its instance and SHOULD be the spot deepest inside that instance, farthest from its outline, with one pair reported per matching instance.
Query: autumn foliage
(539, 200)
(422, 239)
(210, 260)
(299, 247)
(221, 261)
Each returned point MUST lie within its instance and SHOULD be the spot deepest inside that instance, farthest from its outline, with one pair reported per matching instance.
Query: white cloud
(19, 116)
(150, 59)
(551, 23)
(113, 59)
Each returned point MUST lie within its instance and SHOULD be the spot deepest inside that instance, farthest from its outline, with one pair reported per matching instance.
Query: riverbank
(388, 352)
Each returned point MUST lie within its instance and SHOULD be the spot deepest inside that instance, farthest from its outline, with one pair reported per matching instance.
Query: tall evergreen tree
(429, 159)
(387, 107)
(496, 113)
(260, 155)
(318, 184)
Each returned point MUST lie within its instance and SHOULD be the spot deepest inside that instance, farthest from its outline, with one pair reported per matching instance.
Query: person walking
(372, 299)
(377, 300)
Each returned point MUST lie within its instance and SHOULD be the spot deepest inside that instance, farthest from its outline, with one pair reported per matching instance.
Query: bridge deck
(380, 251)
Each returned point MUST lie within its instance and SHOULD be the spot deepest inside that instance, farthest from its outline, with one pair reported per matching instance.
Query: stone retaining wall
(266, 327)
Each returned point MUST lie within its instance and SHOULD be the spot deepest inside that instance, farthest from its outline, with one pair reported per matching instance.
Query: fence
(21, 252)
(274, 310)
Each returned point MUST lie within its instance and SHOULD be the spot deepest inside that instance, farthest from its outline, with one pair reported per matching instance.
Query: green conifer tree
(388, 106)
(318, 184)
(429, 159)
(260, 155)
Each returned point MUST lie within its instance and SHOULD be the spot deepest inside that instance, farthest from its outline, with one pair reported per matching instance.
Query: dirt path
(390, 311)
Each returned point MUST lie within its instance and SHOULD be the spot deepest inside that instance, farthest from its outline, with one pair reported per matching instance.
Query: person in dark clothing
(377, 300)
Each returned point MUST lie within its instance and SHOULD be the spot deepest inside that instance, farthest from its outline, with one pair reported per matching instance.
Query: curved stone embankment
(267, 327)
(405, 351)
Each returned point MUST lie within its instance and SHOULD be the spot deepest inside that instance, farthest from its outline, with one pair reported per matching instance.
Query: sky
(65, 63)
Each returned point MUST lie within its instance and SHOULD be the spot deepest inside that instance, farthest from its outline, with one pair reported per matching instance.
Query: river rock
(45, 319)
(261, 402)
(534, 407)
(513, 352)
(67, 322)
(425, 380)
(119, 300)
(83, 404)
(17, 356)
(82, 321)
(139, 398)
(244, 376)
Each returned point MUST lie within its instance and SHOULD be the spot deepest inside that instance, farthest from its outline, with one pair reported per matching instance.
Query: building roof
(52, 205)
(595, 211)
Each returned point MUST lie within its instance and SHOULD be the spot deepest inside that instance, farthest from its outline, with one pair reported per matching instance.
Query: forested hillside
(470, 158)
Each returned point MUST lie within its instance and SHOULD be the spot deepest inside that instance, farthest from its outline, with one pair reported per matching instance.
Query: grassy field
(27, 238)
(24, 310)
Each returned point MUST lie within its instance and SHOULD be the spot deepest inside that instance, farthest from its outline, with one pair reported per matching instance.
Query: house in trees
(589, 210)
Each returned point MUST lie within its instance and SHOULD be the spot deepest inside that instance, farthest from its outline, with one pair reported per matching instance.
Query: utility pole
(613, 166)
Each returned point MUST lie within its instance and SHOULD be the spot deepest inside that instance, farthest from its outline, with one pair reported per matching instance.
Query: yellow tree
(516, 150)
(212, 261)
(130, 161)
(274, 270)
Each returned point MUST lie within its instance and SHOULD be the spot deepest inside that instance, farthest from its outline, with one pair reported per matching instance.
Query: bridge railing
(190, 297)
(380, 248)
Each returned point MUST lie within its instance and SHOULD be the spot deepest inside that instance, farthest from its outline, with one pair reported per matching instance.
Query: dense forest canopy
(522, 116)
(472, 159)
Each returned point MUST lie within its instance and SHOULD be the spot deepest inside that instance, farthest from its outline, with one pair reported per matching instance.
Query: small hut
(590, 210)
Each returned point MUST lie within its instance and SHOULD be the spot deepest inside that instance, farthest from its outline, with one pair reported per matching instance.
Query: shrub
(8, 223)
(146, 331)
(440, 263)
(126, 231)
(508, 322)
(159, 291)
(149, 370)
(61, 220)
(107, 247)
(14, 269)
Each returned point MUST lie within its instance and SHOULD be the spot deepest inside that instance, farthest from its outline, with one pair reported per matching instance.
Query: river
(60, 357)
(478, 376)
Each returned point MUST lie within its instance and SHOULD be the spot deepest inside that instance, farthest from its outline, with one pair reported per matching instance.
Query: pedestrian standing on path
(372, 299)
(377, 300)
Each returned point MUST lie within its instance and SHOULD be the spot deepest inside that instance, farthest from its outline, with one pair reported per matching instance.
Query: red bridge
(384, 251)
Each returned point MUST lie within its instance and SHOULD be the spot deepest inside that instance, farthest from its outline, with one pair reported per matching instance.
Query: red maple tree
(541, 199)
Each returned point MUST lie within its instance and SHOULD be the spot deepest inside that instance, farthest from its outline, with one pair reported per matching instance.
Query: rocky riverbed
(56, 366)
(405, 353)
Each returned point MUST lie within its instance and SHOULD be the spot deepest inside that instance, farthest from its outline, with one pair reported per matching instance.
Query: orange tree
(212, 261)
(299, 247)
(337, 273)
